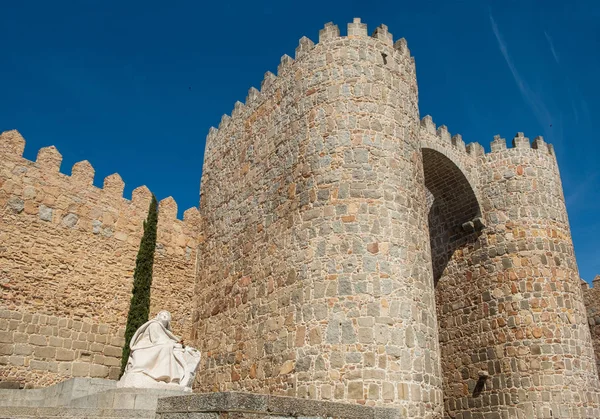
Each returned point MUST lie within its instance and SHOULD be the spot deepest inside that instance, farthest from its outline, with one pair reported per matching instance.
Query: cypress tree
(139, 308)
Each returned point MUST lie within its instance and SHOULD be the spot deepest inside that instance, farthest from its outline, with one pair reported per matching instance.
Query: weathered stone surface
(591, 297)
(45, 213)
(311, 204)
(241, 405)
(68, 250)
(16, 204)
(345, 250)
(70, 220)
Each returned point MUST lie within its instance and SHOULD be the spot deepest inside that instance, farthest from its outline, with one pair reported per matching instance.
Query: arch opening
(453, 207)
(452, 203)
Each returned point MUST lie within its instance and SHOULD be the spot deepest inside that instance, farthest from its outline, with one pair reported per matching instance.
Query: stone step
(70, 412)
(82, 398)
(60, 394)
(124, 398)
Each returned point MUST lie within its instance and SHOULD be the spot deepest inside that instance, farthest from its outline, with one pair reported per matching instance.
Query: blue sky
(133, 86)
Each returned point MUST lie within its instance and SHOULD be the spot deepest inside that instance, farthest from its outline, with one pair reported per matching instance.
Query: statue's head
(164, 317)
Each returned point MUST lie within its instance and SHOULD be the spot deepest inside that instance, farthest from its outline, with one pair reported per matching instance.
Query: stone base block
(254, 406)
(60, 394)
(125, 398)
(79, 395)
(69, 412)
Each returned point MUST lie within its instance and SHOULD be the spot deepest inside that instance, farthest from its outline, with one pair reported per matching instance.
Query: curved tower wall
(548, 366)
(314, 277)
(513, 334)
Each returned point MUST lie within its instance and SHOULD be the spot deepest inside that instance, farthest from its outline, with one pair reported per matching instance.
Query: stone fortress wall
(591, 297)
(511, 313)
(315, 279)
(67, 256)
(345, 249)
(343, 236)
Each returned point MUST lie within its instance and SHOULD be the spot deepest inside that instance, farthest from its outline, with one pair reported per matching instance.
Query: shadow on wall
(454, 213)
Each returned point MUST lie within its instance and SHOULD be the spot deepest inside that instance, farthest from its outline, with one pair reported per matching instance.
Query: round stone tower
(351, 253)
(513, 326)
(314, 272)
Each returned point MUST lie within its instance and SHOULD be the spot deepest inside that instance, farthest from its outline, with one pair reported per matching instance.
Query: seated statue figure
(158, 358)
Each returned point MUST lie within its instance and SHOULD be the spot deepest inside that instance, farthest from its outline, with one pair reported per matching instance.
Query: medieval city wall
(591, 297)
(306, 285)
(67, 256)
(513, 333)
(314, 278)
(542, 342)
(344, 250)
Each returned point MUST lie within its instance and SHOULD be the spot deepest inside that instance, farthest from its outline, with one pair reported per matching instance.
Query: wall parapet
(475, 149)
(271, 84)
(72, 201)
(68, 248)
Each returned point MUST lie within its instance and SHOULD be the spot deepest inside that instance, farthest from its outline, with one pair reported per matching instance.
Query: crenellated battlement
(344, 249)
(38, 189)
(442, 137)
(69, 251)
(521, 142)
(272, 86)
(48, 163)
(91, 234)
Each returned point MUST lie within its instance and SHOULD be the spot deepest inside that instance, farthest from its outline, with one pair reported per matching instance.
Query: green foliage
(139, 308)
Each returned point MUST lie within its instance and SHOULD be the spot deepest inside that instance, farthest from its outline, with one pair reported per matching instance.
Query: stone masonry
(344, 250)
(353, 252)
(67, 255)
(591, 298)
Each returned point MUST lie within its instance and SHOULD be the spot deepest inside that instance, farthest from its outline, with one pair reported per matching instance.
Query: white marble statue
(158, 358)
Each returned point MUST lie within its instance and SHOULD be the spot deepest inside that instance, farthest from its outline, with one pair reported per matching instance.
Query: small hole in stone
(384, 56)
(479, 386)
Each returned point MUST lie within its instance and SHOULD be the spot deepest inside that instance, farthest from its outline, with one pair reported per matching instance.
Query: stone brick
(99, 371)
(55, 341)
(65, 368)
(117, 341)
(23, 349)
(107, 360)
(45, 213)
(403, 392)
(77, 344)
(45, 352)
(38, 365)
(96, 347)
(65, 355)
(388, 391)
(7, 349)
(113, 373)
(373, 391)
(314, 336)
(355, 390)
(79, 369)
(6, 337)
(38, 340)
(113, 351)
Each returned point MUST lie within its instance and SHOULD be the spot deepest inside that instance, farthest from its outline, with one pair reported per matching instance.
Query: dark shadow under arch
(452, 203)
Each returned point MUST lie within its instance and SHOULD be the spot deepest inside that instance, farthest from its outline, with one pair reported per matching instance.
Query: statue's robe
(157, 353)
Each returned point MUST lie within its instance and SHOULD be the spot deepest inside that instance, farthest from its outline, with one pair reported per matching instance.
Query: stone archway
(454, 226)
(453, 208)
